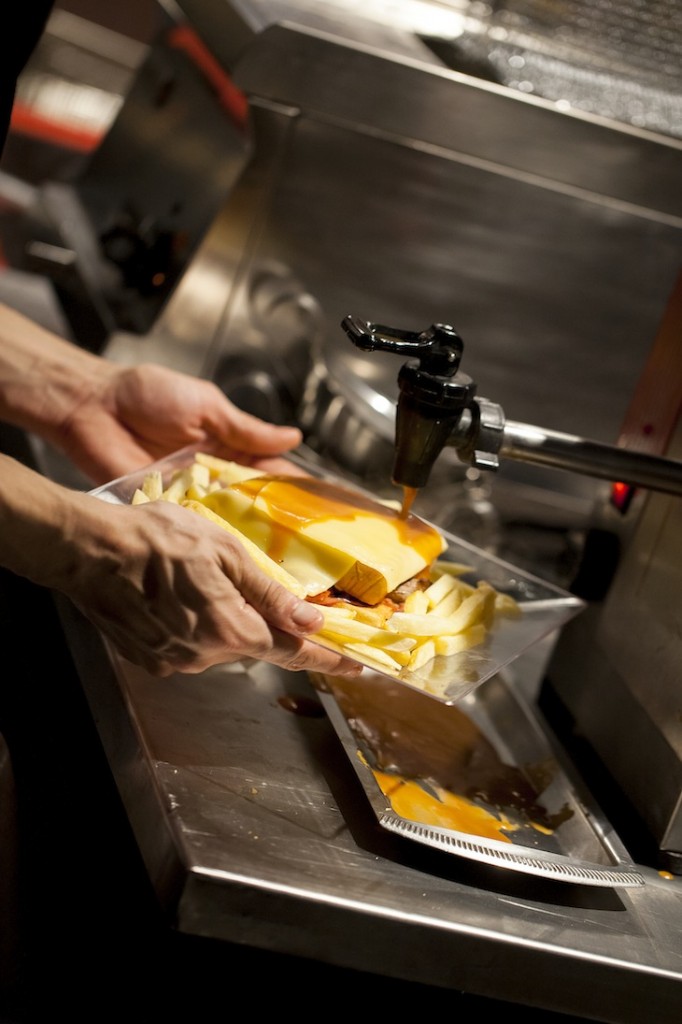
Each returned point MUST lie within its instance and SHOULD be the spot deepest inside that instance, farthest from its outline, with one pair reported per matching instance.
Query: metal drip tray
(476, 779)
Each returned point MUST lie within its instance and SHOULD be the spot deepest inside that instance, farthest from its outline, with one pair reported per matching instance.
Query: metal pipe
(566, 451)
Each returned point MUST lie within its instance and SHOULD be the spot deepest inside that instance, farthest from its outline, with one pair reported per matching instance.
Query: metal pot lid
(369, 386)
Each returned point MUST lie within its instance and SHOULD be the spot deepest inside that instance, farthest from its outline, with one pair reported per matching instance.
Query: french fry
(417, 603)
(402, 655)
(346, 632)
(439, 625)
(376, 654)
(263, 561)
(373, 616)
(352, 629)
(505, 604)
(403, 645)
(343, 611)
(441, 566)
(224, 472)
(488, 610)
(451, 602)
(471, 637)
(153, 485)
(422, 655)
(439, 590)
(195, 478)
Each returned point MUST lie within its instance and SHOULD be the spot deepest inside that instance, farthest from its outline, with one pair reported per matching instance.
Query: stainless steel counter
(254, 830)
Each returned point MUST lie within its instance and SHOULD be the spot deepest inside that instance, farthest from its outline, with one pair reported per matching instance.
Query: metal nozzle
(429, 410)
(437, 406)
(434, 395)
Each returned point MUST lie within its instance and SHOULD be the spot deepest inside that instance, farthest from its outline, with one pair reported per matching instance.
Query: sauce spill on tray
(437, 768)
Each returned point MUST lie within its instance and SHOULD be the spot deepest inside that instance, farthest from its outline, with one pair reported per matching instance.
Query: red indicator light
(621, 496)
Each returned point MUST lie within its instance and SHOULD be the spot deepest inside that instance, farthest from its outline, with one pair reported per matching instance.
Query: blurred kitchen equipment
(618, 676)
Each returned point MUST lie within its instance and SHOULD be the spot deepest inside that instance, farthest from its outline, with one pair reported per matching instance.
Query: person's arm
(171, 591)
(111, 419)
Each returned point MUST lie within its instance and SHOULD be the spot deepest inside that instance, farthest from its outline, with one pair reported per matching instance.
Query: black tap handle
(434, 397)
(439, 348)
(437, 406)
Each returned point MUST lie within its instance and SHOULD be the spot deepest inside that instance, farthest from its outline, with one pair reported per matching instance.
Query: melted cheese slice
(326, 535)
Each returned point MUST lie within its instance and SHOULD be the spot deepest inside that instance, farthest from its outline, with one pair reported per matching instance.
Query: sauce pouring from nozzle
(438, 406)
(409, 496)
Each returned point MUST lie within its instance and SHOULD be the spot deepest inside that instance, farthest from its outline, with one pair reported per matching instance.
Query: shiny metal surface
(445, 261)
(580, 455)
(254, 829)
(114, 243)
(524, 236)
(538, 825)
(230, 27)
(619, 671)
(620, 62)
(465, 202)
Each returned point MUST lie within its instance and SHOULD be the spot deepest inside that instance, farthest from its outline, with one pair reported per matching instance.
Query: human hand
(111, 419)
(171, 592)
(135, 415)
(175, 593)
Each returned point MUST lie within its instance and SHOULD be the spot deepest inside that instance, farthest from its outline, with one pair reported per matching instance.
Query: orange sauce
(295, 502)
(443, 810)
(437, 767)
(409, 494)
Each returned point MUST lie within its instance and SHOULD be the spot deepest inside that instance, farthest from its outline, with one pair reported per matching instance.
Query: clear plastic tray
(544, 607)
